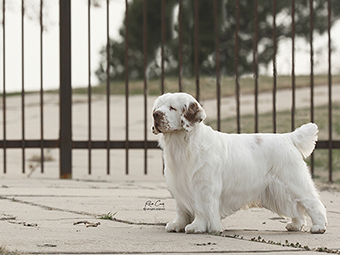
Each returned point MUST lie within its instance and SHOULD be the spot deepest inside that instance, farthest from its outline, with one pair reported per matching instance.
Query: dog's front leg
(201, 224)
(207, 215)
(182, 219)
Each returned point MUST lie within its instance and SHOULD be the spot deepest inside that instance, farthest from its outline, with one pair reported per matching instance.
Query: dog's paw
(293, 227)
(316, 229)
(194, 229)
(174, 227)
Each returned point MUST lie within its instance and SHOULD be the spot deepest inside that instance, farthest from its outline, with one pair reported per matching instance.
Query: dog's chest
(178, 159)
(179, 154)
(179, 184)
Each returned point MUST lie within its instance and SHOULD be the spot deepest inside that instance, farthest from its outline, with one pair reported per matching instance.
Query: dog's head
(175, 112)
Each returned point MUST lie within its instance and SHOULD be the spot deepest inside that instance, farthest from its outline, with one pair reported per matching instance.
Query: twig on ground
(87, 223)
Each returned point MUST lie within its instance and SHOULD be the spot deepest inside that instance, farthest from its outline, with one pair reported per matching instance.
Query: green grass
(207, 85)
(302, 116)
(4, 251)
(108, 216)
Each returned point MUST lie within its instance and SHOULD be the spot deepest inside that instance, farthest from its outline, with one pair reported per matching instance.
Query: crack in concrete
(80, 212)
(47, 207)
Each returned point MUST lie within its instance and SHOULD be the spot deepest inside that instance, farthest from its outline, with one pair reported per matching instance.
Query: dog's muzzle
(158, 120)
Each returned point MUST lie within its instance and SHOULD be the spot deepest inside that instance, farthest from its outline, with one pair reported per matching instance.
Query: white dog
(212, 175)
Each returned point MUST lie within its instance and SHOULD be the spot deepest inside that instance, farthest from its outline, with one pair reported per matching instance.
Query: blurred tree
(227, 25)
(135, 40)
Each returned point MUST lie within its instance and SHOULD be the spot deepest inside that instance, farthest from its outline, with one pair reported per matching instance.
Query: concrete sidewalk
(63, 217)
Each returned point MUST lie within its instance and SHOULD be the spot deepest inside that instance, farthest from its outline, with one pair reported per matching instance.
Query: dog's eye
(172, 108)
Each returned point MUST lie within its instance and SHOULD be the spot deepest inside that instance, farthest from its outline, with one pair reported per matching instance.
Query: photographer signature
(154, 205)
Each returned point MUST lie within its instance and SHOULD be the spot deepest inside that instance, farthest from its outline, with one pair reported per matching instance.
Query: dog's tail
(305, 137)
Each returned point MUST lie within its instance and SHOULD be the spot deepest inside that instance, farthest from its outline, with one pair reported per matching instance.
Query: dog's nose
(157, 115)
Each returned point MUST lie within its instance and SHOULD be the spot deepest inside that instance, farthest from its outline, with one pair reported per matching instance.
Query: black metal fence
(66, 144)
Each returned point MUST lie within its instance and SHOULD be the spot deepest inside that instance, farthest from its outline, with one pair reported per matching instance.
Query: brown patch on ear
(192, 113)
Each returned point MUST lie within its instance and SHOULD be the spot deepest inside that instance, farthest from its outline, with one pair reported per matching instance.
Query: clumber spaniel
(212, 174)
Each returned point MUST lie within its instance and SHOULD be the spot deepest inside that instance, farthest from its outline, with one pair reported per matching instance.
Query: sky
(79, 23)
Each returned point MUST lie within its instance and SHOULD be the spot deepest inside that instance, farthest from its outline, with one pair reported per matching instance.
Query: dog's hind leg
(279, 199)
(296, 224)
(317, 211)
(302, 188)
(301, 197)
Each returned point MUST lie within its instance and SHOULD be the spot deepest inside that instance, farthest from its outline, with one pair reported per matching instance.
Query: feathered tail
(305, 137)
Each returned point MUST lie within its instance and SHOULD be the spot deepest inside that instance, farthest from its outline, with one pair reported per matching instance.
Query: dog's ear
(192, 115)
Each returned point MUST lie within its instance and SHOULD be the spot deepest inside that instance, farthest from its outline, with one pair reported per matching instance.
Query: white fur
(211, 174)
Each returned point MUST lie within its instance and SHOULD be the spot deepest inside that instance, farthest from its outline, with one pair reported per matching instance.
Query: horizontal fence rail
(30, 144)
(186, 12)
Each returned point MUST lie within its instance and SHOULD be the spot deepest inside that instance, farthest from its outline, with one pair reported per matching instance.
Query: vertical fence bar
(41, 90)
(89, 90)
(65, 90)
(330, 131)
(237, 92)
(23, 84)
(108, 87)
(217, 56)
(311, 27)
(163, 54)
(274, 66)
(4, 83)
(162, 45)
(256, 63)
(293, 67)
(180, 44)
(197, 75)
(145, 55)
(126, 87)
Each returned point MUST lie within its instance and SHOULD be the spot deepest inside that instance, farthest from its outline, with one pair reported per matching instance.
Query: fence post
(65, 92)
